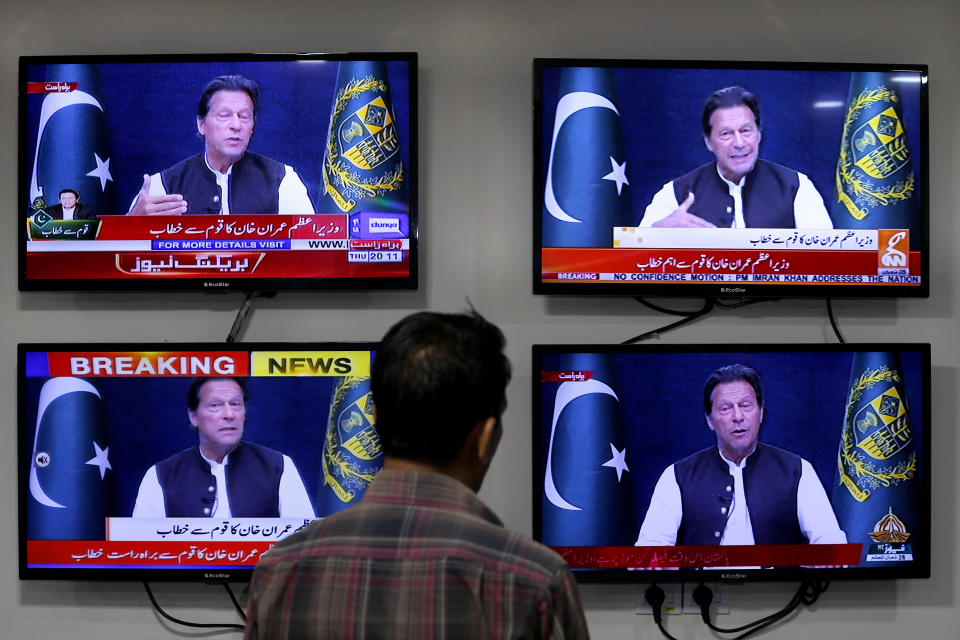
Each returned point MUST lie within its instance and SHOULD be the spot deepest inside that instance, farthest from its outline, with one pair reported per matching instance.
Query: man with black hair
(222, 476)
(70, 207)
(421, 556)
(741, 491)
(738, 189)
(225, 178)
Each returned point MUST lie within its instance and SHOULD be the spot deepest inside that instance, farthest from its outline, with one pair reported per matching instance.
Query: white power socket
(672, 603)
(719, 605)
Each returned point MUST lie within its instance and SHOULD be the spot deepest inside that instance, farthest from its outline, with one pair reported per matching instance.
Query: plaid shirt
(420, 557)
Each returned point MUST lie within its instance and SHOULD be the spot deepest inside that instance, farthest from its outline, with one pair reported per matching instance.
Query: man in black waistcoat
(737, 189)
(223, 476)
(70, 207)
(225, 178)
(740, 491)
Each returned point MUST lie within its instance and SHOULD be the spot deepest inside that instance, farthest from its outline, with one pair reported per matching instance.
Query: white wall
(475, 159)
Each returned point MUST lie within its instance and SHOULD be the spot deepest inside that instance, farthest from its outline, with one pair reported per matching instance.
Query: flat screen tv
(731, 463)
(185, 461)
(807, 179)
(258, 172)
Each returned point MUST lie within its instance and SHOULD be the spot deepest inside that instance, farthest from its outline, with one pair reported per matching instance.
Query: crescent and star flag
(352, 454)
(587, 190)
(362, 166)
(73, 149)
(876, 497)
(588, 493)
(875, 184)
(71, 479)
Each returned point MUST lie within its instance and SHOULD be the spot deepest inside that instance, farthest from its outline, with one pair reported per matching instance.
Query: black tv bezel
(25, 449)
(918, 570)
(300, 283)
(724, 289)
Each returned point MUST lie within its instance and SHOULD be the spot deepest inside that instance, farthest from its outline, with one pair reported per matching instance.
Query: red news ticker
(150, 364)
(52, 87)
(90, 553)
(377, 244)
(691, 557)
(84, 265)
(586, 264)
(316, 226)
(565, 376)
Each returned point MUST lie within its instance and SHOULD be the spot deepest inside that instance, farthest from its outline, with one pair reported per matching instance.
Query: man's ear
(709, 423)
(487, 439)
(192, 418)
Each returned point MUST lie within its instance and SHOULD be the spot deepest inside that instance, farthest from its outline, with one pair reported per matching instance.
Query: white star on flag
(100, 460)
(618, 461)
(618, 175)
(102, 171)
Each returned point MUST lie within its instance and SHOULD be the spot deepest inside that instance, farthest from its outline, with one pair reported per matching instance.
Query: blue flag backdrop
(876, 187)
(73, 150)
(587, 190)
(352, 454)
(877, 497)
(588, 493)
(362, 167)
(71, 479)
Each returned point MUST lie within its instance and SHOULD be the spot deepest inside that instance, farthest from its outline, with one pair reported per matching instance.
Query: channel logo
(370, 225)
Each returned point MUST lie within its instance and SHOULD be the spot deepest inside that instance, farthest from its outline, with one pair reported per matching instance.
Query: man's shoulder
(262, 162)
(257, 448)
(369, 529)
(698, 457)
(708, 169)
(780, 171)
(189, 163)
(771, 451)
(185, 453)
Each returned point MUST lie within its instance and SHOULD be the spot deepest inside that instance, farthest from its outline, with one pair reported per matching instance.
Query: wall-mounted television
(185, 461)
(218, 172)
(732, 463)
(742, 179)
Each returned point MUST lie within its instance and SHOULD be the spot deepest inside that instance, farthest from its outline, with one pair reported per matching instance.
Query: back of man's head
(434, 377)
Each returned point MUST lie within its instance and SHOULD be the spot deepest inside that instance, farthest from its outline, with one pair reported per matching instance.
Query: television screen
(730, 463)
(202, 172)
(185, 461)
(730, 178)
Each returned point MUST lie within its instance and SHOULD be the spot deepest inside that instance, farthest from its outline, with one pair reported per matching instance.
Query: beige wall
(475, 159)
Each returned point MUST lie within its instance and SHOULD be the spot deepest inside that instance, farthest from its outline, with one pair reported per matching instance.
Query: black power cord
(833, 321)
(806, 594)
(655, 597)
(202, 625)
(244, 311)
(688, 316)
(236, 603)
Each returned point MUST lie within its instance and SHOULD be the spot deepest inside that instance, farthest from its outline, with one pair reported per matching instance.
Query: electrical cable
(236, 603)
(689, 316)
(807, 594)
(673, 312)
(241, 318)
(833, 321)
(244, 311)
(655, 596)
(204, 625)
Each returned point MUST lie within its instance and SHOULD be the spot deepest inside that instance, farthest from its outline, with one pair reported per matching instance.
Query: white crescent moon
(52, 103)
(51, 390)
(567, 393)
(566, 107)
